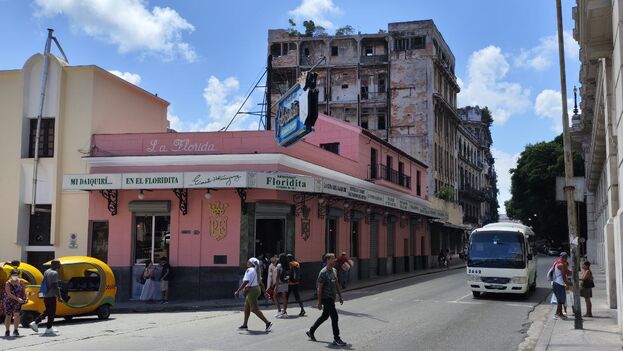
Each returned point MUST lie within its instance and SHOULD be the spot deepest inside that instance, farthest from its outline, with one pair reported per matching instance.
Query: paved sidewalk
(306, 295)
(600, 332)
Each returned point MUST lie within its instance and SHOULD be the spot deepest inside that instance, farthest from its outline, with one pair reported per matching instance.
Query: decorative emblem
(305, 224)
(218, 220)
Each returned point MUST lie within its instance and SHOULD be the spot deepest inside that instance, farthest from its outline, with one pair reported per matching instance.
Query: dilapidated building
(399, 84)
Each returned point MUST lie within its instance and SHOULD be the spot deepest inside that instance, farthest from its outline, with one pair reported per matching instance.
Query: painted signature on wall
(179, 145)
(199, 180)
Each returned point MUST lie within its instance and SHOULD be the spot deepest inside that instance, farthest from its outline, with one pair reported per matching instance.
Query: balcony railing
(380, 171)
(469, 191)
(373, 96)
(374, 59)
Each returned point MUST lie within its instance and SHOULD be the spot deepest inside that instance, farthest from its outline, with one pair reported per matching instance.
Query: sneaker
(268, 326)
(278, 315)
(50, 331)
(311, 335)
(302, 313)
(284, 315)
(243, 327)
(338, 342)
(34, 326)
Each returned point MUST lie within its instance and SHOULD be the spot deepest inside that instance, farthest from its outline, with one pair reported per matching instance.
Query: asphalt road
(433, 312)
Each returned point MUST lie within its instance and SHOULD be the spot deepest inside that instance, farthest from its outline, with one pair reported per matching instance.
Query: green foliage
(533, 190)
(486, 116)
(445, 193)
(382, 31)
(292, 31)
(346, 30)
(310, 28)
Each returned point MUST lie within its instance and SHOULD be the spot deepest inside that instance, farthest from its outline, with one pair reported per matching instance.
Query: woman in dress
(149, 288)
(14, 298)
(587, 284)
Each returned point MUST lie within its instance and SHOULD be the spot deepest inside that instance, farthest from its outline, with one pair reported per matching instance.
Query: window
(364, 123)
(418, 182)
(40, 226)
(344, 86)
(306, 51)
(364, 93)
(46, 138)
(401, 173)
(281, 49)
(381, 85)
(388, 165)
(373, 163)
(151, 238)
(409, 43)
(331, 147)
(331, 238)
(334, 51)
(369, 50)
(99, 240)
(381, 122)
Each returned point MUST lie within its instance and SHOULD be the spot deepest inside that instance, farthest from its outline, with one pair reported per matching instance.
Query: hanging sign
(91, 181)
(152, 180)
(215, 180)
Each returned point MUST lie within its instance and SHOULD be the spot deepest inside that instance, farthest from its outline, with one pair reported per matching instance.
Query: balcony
(470, 219)
(373, 96)
(373, 60)
(472, 193)
(380, 171)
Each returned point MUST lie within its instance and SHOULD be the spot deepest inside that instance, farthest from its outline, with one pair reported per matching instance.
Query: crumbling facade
(477, 176)
(399, 84)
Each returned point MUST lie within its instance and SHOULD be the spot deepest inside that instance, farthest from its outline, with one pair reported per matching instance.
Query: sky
(204, 56)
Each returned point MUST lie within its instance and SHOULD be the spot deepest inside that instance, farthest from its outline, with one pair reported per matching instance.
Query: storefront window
(152, 238)
(99, 240)
(354, 238)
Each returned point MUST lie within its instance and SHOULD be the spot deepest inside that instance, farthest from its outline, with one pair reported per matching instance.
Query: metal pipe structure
(569, 188)
(44, 82)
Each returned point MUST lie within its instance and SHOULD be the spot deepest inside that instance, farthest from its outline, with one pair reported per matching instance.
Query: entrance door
(406, 254)
(374, 248)
(270, 236)
(151, 243)
(331, 237)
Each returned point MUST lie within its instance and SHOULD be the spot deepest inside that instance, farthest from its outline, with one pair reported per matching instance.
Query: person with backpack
(51, 293)
(558, 276)
(294, 281)
(281, 284)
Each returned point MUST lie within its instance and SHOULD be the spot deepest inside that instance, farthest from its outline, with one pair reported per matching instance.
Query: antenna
(44, 83)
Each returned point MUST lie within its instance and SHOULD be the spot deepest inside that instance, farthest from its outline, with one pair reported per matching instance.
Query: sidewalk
(306, 295)
(600, 332)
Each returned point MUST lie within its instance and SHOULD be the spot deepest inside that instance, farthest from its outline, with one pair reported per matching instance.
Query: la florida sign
(297, 111)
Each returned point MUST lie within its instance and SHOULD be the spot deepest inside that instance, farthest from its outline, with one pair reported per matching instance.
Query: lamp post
(569, 188)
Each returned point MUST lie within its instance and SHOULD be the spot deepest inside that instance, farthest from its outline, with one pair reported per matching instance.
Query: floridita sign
(246, 179)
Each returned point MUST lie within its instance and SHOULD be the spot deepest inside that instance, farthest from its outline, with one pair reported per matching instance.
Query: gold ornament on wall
(218, 220)
(305, 223)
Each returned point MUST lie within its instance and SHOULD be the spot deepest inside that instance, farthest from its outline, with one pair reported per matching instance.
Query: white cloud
(504, 161)
(129, 24)
(485, 86)
(542, 56)
(222, 101)
(548, 104)
(316, 10)
(130, 77)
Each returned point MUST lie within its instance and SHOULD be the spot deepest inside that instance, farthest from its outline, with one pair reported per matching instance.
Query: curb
(157, 308)
(546, 335)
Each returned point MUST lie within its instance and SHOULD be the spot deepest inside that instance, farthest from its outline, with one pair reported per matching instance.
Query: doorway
(331, 236)
(374, 248)
(270, 236)
(151, 242)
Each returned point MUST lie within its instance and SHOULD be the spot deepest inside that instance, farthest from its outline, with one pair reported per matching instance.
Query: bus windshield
(497, 249)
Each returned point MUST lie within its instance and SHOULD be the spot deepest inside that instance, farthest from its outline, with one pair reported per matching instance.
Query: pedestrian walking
(294, 281)
(281, 285)
(587, 284)
(271, 294)
(559, 283)
(51, 292)
(149, 292)
(252, 286)
(14, 298)
(165, 277)
(328, 288)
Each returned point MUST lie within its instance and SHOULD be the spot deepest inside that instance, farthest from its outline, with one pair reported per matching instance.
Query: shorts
(561, 294)
(586, 293)
(283, 288)
(164, 285)
(252, 295)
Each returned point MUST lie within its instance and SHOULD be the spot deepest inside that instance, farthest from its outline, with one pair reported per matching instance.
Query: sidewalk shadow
(253, 332)
(355, 314)
(329, 345)
(538, 296)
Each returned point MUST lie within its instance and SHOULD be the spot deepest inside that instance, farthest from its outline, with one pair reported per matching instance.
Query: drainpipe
(44, 81)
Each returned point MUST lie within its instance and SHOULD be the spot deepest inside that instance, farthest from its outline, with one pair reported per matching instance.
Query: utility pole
(569, 188)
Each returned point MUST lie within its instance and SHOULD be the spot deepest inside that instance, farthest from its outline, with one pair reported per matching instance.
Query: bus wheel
(476, 294)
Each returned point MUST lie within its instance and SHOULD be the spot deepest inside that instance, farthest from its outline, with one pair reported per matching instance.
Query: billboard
(296, 112)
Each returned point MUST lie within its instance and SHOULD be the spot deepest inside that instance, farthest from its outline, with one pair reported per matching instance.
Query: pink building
(210, 200)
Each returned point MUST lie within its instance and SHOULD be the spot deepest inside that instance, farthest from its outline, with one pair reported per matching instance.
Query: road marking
(461, 298)
(518, 305)
(467, 302)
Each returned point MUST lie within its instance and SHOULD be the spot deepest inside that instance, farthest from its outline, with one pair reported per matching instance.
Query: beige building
(598, 31)
(80, 101)
(398, 84)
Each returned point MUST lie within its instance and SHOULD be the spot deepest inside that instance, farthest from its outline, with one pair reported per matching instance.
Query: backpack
(550, 273)
(43, 289)
(295, 274)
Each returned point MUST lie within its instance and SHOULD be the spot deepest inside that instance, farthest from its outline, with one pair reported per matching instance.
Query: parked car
(554, 251)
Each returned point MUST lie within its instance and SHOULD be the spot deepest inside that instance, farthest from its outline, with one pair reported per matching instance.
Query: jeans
(328, 310)
(50, 311)
(343, 277)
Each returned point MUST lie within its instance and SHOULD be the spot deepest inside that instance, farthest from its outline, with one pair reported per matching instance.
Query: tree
(533, 193)
(310, 28)
(346, 30)
(486, 116)
(292, 31)
(445, 193)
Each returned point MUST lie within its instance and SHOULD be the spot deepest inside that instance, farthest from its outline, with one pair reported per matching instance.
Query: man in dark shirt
(51, 280)
(328, 287)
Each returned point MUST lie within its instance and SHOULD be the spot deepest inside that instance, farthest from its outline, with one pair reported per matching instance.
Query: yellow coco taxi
(89, 283)
(30, 275)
